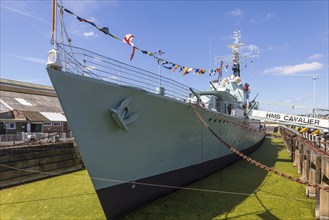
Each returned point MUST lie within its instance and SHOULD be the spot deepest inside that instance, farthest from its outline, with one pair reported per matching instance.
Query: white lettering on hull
(274, 116)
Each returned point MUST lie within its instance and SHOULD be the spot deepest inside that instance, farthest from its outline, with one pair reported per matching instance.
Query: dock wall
(22, 164)
(311, 156)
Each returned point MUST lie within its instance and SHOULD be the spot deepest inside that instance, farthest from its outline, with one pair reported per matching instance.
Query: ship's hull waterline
(165, 144)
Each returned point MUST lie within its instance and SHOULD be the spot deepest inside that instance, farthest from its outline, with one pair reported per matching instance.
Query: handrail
(85, 62)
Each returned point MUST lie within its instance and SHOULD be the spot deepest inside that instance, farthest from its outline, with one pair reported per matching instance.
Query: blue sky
(291, 36)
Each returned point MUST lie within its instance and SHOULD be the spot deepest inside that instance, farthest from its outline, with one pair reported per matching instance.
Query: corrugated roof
(38, 103)
(34, 116)
(35, 102)
(54, 116)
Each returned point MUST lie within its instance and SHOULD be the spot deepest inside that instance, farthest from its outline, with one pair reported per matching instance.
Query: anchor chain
(258, 164)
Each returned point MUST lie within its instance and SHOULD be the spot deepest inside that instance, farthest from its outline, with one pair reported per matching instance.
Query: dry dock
(311, 156)
(240, 191)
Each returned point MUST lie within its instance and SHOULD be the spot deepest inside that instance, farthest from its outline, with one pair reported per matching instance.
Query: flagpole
(314, 111)
(160, 52)
(53, 27)
(160, 90)
(54, 60)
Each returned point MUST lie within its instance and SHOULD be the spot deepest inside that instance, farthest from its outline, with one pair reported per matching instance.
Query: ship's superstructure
(228, 95)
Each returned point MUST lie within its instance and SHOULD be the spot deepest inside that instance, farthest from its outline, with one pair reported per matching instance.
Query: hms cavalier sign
(292, 119)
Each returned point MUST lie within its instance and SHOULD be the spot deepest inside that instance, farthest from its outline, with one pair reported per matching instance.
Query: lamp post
(314, 107)
(160, 52)
(160, 90)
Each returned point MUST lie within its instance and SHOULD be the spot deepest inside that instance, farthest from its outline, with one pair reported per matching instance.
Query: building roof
(34, 116)
(54, 116)
(29, 102)
(27, 88)
(36, 102)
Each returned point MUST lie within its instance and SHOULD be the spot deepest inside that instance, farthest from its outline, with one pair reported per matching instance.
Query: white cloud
(30, 59)
(316, 56)
(236, 12)
(290, 70)
(89, 34)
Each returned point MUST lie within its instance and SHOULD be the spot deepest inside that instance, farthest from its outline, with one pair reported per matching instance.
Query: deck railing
(87, 63)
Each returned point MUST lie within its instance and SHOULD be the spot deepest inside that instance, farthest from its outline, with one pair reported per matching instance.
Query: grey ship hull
(167, 145)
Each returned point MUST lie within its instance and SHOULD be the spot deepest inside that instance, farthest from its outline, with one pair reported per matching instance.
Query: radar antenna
(234, 59)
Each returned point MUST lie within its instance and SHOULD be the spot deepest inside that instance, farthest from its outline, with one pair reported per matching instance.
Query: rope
(245, 157)
(68, 40)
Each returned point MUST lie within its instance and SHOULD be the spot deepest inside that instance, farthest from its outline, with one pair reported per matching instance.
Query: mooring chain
(235, 123)
(245, 157)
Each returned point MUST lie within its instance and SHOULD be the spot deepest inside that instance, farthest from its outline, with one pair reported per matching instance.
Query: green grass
(240, 191)
(70, 196)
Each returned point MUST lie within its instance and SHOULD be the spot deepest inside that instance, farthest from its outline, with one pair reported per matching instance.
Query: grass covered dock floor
(240, 191)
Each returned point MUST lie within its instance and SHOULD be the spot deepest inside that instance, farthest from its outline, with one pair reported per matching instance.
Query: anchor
(120, 115)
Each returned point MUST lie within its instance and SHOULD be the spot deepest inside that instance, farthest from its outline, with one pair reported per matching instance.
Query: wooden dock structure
(310, 154)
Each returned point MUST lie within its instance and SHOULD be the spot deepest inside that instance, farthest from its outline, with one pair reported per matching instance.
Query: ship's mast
(236, 53)
(54, 60)
(53, 24)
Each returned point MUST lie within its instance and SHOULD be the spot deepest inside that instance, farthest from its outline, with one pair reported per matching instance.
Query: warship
(138, 133)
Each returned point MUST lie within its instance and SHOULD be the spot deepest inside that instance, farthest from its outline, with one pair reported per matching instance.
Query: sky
(290, 36)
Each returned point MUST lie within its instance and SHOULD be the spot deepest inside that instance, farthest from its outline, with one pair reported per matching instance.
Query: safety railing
(84, 62)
